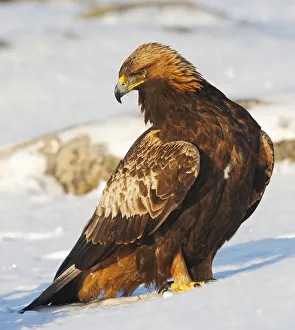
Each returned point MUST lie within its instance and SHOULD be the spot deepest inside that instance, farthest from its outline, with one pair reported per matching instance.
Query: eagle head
(153, 63)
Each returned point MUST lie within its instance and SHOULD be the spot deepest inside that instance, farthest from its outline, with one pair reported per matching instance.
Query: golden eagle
(182, 190)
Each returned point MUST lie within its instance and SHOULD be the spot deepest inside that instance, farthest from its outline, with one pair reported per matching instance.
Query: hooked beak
(120, 91)
(123, 88)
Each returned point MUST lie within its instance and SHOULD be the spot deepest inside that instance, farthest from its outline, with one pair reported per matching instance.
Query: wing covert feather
(148, 184)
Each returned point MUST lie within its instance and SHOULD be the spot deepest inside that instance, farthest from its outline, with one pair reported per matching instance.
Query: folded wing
(147, 185)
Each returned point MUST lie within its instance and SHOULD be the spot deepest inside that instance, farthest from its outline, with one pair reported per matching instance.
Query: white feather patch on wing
(227, 171)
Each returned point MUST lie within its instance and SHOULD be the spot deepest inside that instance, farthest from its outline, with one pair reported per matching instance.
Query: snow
(255, 270)
(61, 70)
(58, 75)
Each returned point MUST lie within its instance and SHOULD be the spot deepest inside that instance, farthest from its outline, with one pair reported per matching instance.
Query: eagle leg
(182, 280)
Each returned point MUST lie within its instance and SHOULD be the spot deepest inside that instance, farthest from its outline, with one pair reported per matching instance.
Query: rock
(4, 43)
(79, 165)
(76, 163)
(285, 150)
(250, 103)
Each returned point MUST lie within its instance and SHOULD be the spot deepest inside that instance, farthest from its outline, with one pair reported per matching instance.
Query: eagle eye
(140, 73)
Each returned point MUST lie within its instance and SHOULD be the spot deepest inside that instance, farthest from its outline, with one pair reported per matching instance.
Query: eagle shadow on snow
(243, 257)
(252, 255)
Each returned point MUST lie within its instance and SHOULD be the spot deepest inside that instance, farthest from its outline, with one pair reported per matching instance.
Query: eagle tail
(61, 291)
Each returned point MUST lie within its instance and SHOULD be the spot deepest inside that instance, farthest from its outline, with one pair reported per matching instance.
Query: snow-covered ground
(59, 71)
(255, 269)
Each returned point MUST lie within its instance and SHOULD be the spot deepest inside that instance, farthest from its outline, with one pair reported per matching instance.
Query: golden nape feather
(182, 190)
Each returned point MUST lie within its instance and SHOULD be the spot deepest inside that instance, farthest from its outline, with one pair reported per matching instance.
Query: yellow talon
(186, 287)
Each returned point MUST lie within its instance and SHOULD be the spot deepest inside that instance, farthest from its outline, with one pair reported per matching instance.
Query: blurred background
(59, 62)
(62, 132)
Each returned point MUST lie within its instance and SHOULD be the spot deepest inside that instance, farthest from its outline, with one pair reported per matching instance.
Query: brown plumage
(182, 190)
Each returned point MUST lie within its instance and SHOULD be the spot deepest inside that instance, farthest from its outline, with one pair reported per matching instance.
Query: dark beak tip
(118, 98)
(118, 95)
